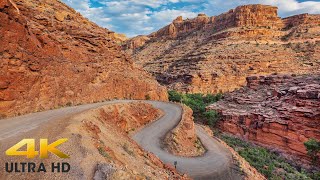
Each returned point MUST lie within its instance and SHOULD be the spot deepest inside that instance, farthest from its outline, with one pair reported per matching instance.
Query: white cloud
(286, 7)
(167, 16)
(134, 17)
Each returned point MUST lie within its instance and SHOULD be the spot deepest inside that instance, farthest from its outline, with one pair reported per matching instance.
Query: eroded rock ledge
(182, 140)
(277, 111)
(51, 56)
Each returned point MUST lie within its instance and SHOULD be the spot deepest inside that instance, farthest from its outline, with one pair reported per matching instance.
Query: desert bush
(175, 96)
(126, 148)
(313, 148)
(147, 97)
(268, 163)
(198, 103)
(103, 152)
(212, 117)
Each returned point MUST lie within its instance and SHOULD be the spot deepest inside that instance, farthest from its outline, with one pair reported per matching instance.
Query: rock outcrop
(131, 116)
(279, 111)
(136, 42)
(119, 38)
(242, 16)
(51, 56)
(216, 54)
(182, 140)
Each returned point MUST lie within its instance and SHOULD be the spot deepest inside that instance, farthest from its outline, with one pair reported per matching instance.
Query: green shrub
(315, 175)
(195, 102)
(198, 103)
(210, 98)
(212, 117)
(127, 149)
(313, 148)
(103, 152)
(147, 97)
(268, 163)
(175, 96)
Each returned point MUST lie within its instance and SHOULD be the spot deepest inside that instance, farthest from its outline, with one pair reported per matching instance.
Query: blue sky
(135, 17)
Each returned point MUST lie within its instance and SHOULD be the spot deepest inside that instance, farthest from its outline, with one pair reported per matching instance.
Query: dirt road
(216, 163)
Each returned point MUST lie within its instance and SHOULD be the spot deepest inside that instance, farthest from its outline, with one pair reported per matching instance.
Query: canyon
(280, 112)
(51, 57)
(216, 54)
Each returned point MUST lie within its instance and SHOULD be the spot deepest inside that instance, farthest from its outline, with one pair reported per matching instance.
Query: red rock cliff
(216, 54)
(243, 16)
(280, 112)
(51, 56)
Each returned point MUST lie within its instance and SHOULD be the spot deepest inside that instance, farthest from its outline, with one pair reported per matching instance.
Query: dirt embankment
(182, 140)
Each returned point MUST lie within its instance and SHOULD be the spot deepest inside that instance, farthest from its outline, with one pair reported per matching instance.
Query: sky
(142, 17)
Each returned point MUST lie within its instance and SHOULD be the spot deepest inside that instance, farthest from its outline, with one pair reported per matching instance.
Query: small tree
(212, 117)
(313, 148)
(175, 96)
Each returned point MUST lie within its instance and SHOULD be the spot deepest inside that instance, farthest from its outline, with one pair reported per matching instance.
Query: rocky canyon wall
(51, 56)
(279, 111)
(216, 54)
(242, 16)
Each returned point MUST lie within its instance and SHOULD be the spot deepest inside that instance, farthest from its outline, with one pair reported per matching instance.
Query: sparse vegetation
(198, 102)
(175, 96)
(270, 164)
(313, 148)
(69, 104)
(198, 144)
(103, 152)
(127, 149)
(212, 117)
(147, 97)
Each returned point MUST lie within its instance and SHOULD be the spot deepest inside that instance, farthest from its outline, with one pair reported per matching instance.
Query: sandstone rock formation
(216, 54)
(182, 140)
(128, 117)
(51, 56)
(278, 111)
(119, 38)
(136, 42)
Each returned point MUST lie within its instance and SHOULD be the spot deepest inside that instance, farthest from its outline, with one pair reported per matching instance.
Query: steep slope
(213, 54)
(51, 56)
(279, 111)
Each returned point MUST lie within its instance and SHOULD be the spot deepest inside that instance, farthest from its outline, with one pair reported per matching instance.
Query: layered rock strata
(216, 54)
(51, 56)
(279, 111)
